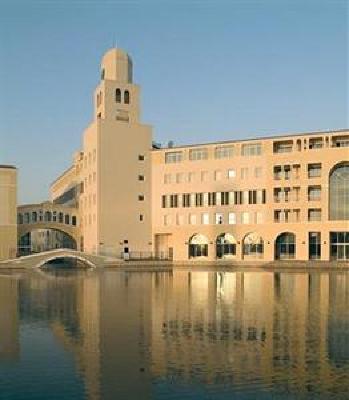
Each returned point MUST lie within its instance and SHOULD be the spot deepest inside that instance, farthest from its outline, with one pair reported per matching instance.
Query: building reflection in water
(133, 333)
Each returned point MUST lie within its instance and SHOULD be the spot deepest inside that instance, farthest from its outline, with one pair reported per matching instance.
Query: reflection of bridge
(40, 259)
(48, 216)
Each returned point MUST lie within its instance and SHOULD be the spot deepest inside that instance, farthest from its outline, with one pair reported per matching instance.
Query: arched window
(198, 246)
(67, 219)
(253, 246)
(285, 246)
(127, 97)
(73, 220)
(225, 245)
(339, 192)
(118, 95)
(102, 74)
(34, 216)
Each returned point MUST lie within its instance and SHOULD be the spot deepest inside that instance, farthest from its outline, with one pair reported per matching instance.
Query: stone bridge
(48, 215)
(40, 259)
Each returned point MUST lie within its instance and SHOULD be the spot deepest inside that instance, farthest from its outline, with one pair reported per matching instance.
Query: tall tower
(116, 167)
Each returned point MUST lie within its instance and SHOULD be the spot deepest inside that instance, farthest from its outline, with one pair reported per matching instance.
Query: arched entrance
(225, 246)
(39, 240)
(198, 246)
(253, 246)
(285, 246)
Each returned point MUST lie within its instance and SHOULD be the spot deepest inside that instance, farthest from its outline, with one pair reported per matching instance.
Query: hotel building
(280, 197)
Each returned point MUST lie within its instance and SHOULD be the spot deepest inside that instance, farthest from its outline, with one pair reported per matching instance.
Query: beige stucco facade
(8, 204)
(260, 199)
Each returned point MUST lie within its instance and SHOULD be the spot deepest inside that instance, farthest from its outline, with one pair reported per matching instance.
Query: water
(185, 334)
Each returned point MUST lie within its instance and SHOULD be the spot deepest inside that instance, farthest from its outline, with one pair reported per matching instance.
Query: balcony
(316, 143)
(340, 141)
(285, 146)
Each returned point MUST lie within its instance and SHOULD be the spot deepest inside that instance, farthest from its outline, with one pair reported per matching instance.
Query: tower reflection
(132, 332)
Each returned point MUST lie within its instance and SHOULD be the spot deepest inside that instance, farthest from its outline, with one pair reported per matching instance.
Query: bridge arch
(50, 258)
(37, 238)
(52, 218)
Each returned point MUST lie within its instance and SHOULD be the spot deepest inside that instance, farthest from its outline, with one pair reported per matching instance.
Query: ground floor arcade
(296, 244)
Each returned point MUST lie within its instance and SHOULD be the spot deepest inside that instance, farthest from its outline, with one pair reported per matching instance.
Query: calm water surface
(184, 334)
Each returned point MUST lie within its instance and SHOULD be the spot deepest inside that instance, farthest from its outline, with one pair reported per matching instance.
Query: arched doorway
(253, 246)
(285, 246)
(39, 240)
(339, 192)
(198, 246)
(225, 246)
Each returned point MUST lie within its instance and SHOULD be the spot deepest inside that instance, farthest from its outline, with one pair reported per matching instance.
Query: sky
(208, 70)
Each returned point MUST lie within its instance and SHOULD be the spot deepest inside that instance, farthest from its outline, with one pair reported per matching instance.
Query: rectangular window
(245, 218)
(205, 218)
(238, 197)
(277, 215)
(244, 173)
(295, 193)
(141, 197)
(316, 143)
(167, 179)
(260, 199)
(231, 173)
(252, 149)
(287, 172)
(218, 218)
(174, 200)
(167, 220)
(314, 214)
(180, 219)
(199, 199)
(285, 146)
(224, 152)
(179, 177)
(217, 175)
(191, 176)
(258, 172)
(192, 219)
(314, 170)
(232, 218)
(212, 199)
(140, 157)
(186, 200)
(163, 201)
(173, 157)
(141, 177)
(224, 198)
(277, 172)
(198, 154)
(141, 217)
(314, 193)
(296, 214)
(295, 171)
(252, 197)
(259, 218)
(204, 176)
(340, 141)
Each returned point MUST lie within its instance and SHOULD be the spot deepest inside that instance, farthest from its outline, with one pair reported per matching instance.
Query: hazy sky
(209, 70)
